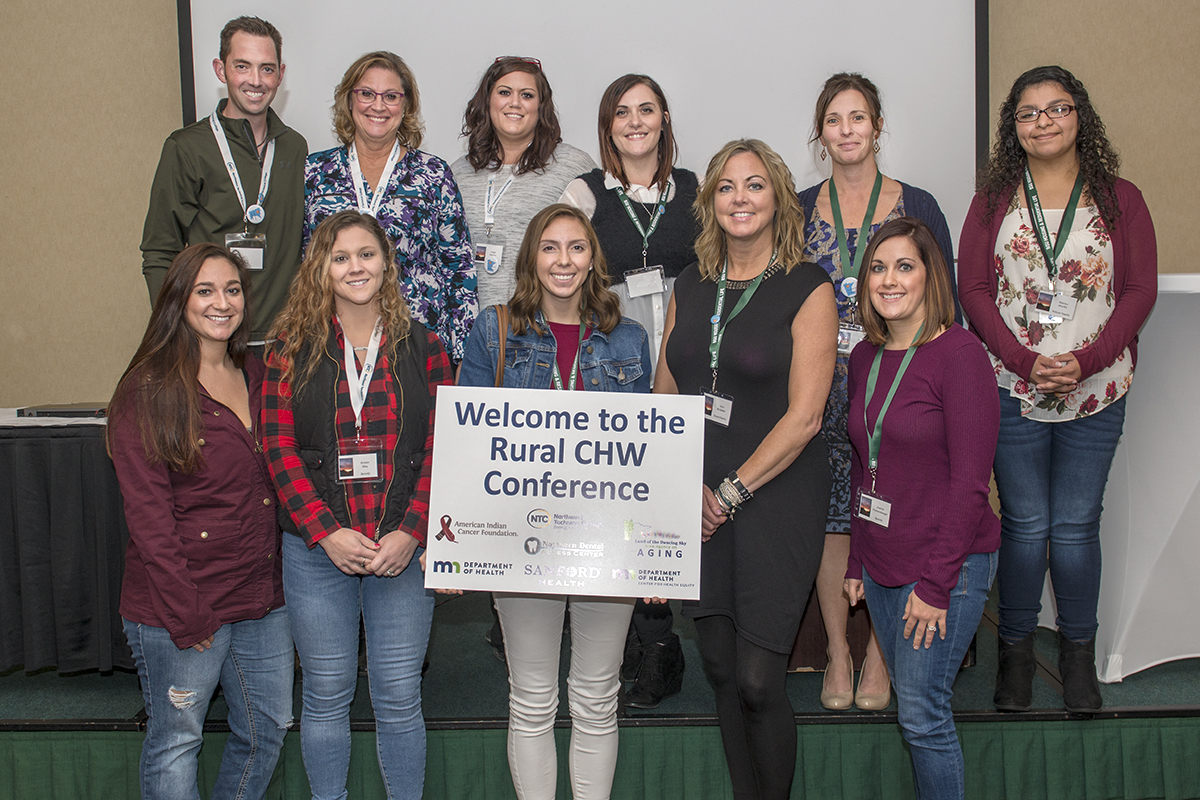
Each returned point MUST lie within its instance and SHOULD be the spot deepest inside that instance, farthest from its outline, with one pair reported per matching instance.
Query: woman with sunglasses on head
(378, 170)
(1059, 270)
(840, 215)
(349, 407)
(923, 535)
(202, 596)
(516, 165)
(641, 207)
(562, 330)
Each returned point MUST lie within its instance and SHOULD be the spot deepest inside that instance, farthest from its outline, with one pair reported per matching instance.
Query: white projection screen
(749, 68)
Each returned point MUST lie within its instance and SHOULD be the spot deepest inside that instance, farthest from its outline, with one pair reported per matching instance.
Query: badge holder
(849, 335)
(718, 407)
(250, 246)
(873, 507)
(488, 256)
(646, 281)
(1045, 307)
(360, 460)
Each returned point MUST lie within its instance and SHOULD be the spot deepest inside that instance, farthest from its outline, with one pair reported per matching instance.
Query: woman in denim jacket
(563, 330)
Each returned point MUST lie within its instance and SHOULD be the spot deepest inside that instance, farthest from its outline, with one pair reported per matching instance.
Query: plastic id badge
(360, 460)
(848, 337)
(250, 246)
(487, 258)
(873, 508)
(649, 280)
(718, 408)
(1044, 306)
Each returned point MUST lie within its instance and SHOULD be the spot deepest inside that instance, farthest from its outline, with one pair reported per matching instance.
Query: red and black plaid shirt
(366, 498)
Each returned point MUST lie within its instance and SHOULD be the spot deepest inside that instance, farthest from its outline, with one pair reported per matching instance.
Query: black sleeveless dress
(759, 567)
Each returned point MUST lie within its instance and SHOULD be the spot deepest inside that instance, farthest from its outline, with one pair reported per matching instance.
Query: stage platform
(79, 736)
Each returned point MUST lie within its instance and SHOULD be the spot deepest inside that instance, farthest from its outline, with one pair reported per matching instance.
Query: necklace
(768, 272)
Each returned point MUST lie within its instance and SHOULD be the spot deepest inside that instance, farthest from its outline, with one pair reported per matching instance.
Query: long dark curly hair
(484, 150)
(1098, 160)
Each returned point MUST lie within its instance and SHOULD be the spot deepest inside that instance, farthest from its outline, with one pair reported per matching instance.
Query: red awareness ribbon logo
(445, 531)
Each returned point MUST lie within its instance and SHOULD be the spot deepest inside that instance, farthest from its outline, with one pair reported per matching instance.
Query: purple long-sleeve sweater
(935, 463)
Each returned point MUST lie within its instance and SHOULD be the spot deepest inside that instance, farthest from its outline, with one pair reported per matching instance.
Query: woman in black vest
(641, 207)
(348, 402)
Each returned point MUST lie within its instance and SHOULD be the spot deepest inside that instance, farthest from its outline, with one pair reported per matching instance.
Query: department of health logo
(533, 545)
(538, 518)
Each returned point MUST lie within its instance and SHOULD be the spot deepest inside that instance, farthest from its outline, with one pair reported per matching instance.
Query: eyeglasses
(526, 59)
(367, 96)
(1027, 115)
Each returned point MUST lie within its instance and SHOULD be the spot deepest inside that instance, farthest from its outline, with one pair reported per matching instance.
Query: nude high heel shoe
(873, 702)
(838, 701)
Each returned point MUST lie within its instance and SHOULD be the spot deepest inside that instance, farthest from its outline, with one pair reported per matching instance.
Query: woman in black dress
(755, 330)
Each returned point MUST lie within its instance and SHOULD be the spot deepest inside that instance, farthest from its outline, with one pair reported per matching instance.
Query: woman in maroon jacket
(202, 598)
(1059, 315)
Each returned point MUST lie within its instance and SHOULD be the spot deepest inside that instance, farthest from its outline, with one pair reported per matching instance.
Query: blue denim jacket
(618, 361)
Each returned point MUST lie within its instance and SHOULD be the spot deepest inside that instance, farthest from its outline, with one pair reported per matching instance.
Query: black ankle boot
(661, 674)
(1014, 678)
(1077, 665)
(632, 660)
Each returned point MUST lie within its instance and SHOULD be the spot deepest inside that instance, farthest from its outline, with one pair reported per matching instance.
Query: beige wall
(92, 89)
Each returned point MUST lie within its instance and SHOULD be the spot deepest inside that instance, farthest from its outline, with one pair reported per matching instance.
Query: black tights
(758, 726)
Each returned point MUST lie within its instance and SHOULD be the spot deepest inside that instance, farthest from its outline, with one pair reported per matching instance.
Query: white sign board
(588, 493)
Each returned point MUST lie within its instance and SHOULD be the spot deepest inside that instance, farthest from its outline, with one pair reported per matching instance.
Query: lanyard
(558, 381)
(360, 183)
(490, 202)
(254, 213)
(864, 233)
(1039, 221)
(877, 432)
(360, 383)
(718, 330)
(654, 220)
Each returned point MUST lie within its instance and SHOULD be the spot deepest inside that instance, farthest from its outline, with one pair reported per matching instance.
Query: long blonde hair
(306, 318)
(711, 247)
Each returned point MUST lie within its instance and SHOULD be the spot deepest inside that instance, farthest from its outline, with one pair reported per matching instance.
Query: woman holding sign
(641, 207)
(349, 399)
(753, 328)
(562, 330)
(839, 216)
(1059, 314)
(923, 535)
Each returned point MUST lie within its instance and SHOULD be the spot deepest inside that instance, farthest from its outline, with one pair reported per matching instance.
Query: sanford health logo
(538, 518)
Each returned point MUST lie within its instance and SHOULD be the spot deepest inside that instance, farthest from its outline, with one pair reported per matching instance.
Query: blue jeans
(1051, 477)
(326, 605)
(252, 660)
(924, 679)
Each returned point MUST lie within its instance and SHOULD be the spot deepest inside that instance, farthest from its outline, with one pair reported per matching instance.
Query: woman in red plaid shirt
(349, 401)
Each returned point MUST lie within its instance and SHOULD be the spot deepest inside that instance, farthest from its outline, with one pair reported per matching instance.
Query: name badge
(649, 280)
(1063, 305)
(360, 460)
(250, 246)
(718, 408)
(873, 508)
(487, 258)
(848, 337)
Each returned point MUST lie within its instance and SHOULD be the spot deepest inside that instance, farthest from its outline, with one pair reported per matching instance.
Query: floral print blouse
(423, 215)
(1085, 273)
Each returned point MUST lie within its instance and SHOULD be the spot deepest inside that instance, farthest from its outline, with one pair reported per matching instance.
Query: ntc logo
(538, 518)
(533, 545)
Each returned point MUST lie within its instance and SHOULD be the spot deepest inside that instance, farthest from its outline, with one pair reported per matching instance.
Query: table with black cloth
(62, 547)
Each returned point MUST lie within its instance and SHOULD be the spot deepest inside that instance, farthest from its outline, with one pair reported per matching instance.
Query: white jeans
(532, 641)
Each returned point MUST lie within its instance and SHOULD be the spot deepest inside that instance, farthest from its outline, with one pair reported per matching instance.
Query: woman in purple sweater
(1059, 314)
(923, 538)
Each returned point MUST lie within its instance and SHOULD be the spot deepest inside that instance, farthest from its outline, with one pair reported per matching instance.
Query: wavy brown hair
(939, 300)
(610, 157)
(484, 150)
(302, 328)
(411, 128)
(160, 388)
(1099, 162)
(841, 82)
(597, 303)
(711, 247)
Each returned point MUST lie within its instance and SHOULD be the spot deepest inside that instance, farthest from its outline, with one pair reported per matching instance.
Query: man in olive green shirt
(196, 197)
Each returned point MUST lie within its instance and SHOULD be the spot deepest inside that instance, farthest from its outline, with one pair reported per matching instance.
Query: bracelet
(744, 493)
(728, 496)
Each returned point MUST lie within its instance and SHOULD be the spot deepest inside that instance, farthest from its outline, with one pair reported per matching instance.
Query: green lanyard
(1039, 222)
(718, 330)
(877, 433)
(864, 233)
(637, 223)
(558, 381)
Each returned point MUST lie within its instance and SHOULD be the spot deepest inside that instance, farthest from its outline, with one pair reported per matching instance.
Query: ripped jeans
(253, 662)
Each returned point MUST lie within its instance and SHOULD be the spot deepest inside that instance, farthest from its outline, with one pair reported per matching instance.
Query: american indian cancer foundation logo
(445, 532)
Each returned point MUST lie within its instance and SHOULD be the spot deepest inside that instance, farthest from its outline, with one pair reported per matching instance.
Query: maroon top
(566, 339)
(935, 464)
(203, 549)
(1134, 285)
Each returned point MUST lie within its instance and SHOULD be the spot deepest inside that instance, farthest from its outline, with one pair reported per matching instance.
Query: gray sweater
(528, 195)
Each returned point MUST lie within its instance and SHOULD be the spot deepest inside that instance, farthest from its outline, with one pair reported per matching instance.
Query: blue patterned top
(423, 215)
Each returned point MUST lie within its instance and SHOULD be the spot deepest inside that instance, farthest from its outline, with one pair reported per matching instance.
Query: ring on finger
(931, 626)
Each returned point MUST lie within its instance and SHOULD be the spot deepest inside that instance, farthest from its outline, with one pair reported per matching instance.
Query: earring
(875, 147)
(822, 152)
